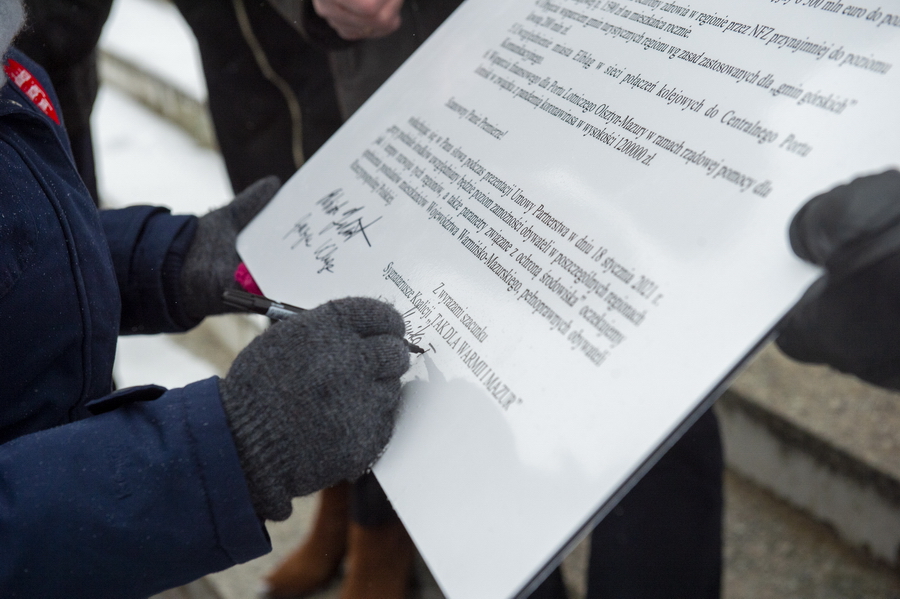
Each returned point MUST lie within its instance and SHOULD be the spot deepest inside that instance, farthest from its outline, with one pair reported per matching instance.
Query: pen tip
(414, 349)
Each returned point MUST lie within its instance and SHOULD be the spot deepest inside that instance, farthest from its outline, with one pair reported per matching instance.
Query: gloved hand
(211, 260)
(312, 401)
(850, 318)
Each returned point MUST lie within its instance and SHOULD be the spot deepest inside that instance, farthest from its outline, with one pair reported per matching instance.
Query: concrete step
(827, 443)
(824, 445)
(772, 550)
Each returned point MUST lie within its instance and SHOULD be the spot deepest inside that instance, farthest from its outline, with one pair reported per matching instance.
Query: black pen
(258, 304)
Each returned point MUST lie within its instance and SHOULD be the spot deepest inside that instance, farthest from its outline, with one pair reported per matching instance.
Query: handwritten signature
(347, 222)
(325, 254)
(349, 226)
(303, 232)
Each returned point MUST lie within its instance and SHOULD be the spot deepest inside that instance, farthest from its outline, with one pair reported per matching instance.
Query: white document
(580, 207)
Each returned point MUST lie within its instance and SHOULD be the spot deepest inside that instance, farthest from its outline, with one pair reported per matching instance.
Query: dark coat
(101, 495)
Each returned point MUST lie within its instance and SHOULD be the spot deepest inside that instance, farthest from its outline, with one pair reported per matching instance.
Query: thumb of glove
(212, 257)
(249, 202)
(851, 226)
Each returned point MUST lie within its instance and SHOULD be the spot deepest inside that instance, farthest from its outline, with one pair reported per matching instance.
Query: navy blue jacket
(101, 495)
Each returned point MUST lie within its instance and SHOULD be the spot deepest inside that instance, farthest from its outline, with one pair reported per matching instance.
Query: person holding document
(127, 493)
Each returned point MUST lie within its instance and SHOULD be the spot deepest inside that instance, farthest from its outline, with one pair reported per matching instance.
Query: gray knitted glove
(312, 401)
(850, 318)
(212, 258)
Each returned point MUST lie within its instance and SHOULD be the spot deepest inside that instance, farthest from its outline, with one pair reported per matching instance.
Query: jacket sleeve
(126, 503)
(148, 245)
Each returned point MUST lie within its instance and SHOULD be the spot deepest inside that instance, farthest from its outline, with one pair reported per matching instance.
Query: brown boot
(315, 563)
(379, 562)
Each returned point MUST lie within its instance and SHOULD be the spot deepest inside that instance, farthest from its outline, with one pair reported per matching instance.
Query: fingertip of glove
(392, 356)
(812, 230)
(269, 184)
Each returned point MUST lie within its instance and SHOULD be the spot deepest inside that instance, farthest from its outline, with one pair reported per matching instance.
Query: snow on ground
(144, 159)
(153, 35)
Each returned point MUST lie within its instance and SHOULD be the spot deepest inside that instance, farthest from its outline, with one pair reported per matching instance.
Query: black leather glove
(312, 401)
(850, 318)
(212, 258)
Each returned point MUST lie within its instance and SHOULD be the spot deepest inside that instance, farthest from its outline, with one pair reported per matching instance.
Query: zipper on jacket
(290, 98)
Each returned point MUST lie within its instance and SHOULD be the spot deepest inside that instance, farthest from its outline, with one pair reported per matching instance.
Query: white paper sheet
(581, 209)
